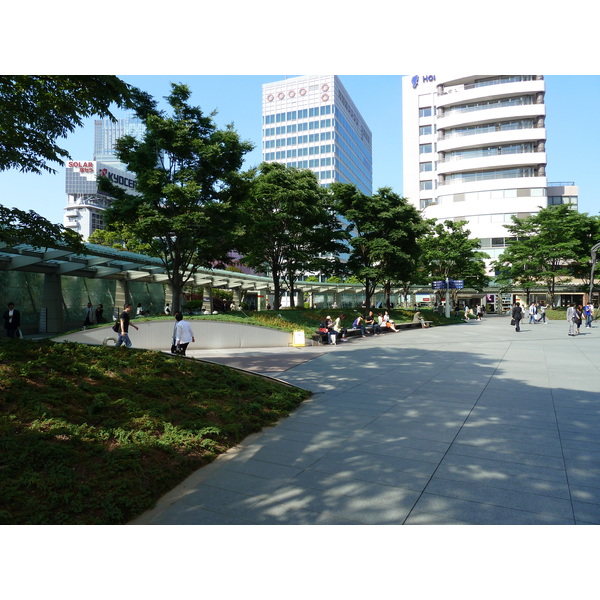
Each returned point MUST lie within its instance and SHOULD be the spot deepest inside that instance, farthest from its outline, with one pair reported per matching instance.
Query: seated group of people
(334, 331)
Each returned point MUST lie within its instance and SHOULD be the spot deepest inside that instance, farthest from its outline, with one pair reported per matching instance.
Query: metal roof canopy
(101, 262)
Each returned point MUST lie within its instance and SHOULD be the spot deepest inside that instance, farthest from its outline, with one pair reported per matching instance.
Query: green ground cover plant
(95, 435)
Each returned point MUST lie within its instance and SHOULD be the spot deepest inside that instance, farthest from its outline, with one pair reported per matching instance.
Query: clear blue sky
(573, 131)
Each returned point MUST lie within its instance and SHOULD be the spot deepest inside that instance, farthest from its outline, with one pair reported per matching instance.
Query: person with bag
(122, 327)
(517, 315)
(12, 321)
(183, 334)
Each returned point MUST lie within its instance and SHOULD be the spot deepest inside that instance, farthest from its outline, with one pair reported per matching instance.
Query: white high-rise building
(474, 149)
(311, 122)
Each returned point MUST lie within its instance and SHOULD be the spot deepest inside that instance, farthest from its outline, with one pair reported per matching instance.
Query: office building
(310, 122)
(474, 149)
(85, 204)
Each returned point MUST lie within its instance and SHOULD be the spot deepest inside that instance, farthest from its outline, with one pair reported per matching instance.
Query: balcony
(463, 94)
(497, 161)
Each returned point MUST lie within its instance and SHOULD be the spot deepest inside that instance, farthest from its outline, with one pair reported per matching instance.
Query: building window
(425, 112)
(425, 130)
(425, 167)
(426, 185)
(425, 148)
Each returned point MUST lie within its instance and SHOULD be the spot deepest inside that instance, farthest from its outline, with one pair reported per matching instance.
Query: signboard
(453, 284)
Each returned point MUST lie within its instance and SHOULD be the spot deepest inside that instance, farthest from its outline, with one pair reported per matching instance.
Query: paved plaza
(466, 424)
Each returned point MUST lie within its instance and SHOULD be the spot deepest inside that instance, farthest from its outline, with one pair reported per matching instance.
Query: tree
(289, 226)
(34, 112)
(39, 109)
(550, 246)
(449, 253)
(188, 189)
(384, 230)
(27, 227)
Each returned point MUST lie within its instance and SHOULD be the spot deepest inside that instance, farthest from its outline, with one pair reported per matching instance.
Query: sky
(571, 134)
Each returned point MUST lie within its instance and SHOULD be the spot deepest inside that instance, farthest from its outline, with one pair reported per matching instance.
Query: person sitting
(370, 322)
(359, 323)
(325, 329)
(339, 330)
(385, 321)
(418, 318)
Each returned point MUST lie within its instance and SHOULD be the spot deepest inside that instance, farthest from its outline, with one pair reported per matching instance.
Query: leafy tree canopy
(188, 189)
(37, 110)
(289, 225)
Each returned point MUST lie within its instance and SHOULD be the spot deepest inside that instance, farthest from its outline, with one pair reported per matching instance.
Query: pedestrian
(183, 334)
(466, 313)
(517, 315)
(532, 312)
(167, 309)
(124, 322)
(578, 317)
(100, 314)
(542, 312)
(385, 321)
(89, 315)
(588, 313)
(139, 311)
(572, 319)
(12, 321)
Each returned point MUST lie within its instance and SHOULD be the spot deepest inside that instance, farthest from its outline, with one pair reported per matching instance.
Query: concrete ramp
(157, 335)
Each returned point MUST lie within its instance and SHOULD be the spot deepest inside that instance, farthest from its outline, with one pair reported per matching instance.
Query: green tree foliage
(383, 229)
(549, 247)
(119, 238)
(188, 189)
(27, 227)
(289, 226)
(449, 253)
(37, 110)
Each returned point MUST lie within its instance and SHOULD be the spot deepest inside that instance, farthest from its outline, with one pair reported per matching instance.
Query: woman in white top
(183, 334)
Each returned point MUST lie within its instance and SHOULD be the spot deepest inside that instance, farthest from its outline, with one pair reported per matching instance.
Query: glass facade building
(311, 122)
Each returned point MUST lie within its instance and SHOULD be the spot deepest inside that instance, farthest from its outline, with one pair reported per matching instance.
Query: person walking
(517, 315)
(183, 334)
(12, 320)
(578, 318)
(588, 313)
(125, 321)
(89, 315)
(542, 313)
(572, 319)
(532, 313)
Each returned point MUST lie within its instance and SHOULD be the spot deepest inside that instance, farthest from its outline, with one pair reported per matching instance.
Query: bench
(352, 332)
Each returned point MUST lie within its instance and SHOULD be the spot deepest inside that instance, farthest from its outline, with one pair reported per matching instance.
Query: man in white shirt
(183, 334)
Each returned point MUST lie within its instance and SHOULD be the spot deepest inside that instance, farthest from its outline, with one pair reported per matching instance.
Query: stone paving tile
(385, 475)
(358, 508)
(505, 475)
(432, 509)
(587, 513)
(509, 454)
(488, 494)
(260, 468)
